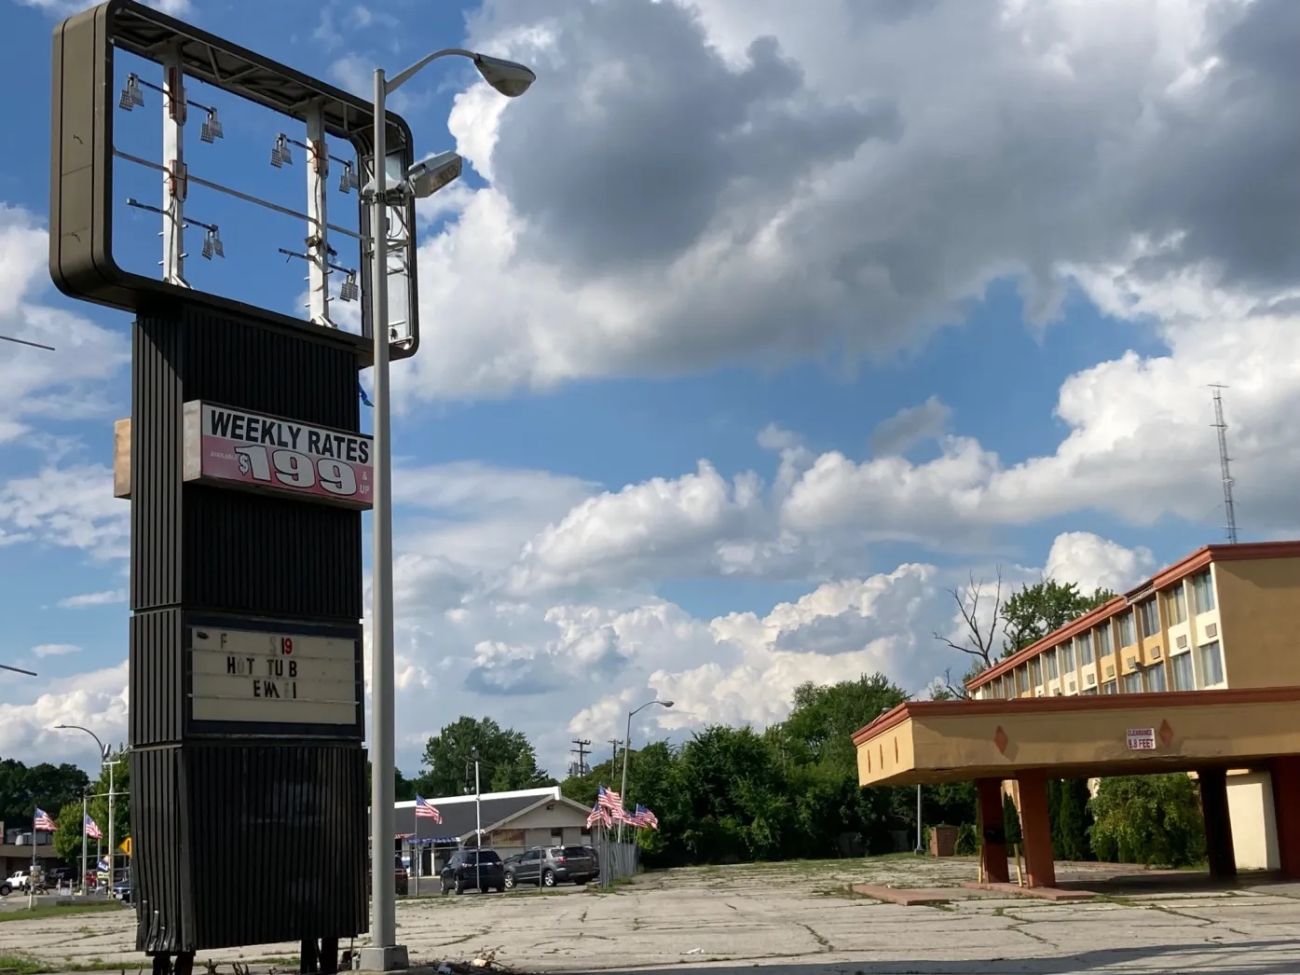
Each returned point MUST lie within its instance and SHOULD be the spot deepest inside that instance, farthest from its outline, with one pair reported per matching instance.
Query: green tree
(1067, 804)
(1149, 819)
(506, 759)
(23, 788)
(67, 838)
(1037, 610)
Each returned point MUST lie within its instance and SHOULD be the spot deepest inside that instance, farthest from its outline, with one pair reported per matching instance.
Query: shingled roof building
(512, 822)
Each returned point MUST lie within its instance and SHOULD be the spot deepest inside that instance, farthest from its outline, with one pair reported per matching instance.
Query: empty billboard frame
(83, 102)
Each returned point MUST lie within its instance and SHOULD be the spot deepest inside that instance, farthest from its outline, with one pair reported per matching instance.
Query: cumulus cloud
(1097, 563)
(798, 211)
(97, 699)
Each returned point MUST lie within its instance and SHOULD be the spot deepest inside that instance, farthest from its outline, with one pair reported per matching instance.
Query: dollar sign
(244, 464)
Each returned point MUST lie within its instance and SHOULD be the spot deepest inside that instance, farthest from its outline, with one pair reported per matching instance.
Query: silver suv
(551, 865)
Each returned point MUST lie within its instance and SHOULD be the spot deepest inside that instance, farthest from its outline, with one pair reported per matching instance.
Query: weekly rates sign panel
(266, 453)
(270, 676)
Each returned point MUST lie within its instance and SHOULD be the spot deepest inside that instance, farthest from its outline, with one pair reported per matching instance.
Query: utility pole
(580, 768)
(613, 750)
(1229, 509)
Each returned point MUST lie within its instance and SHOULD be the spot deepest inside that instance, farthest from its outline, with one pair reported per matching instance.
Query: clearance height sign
(273, 676)
(239, 448)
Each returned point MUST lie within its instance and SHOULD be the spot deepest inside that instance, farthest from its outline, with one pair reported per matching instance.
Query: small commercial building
(16, 850)
(512, 822)
(1195, 670)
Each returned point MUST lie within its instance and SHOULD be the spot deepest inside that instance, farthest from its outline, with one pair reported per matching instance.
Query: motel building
(1196, 670)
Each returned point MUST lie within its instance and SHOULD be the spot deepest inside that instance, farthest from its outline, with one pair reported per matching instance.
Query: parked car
(481, 869)
(551, 865)
(5, 888)
(18, 880)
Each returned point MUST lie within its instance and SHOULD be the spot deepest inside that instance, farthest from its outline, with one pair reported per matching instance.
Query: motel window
(1204, 591)
(1150, 618)
(1090, 690)
(1103, 639)
(1126, 635)
(1085, 649)
(1183, 679)
(1156, 678)
(1133, 682)
(1035, 671)
(1022, 679)
(1009, 686)
(1109, 687)
(1212, 663)
(1052, 673)
(1067, 657)
(1176, 605)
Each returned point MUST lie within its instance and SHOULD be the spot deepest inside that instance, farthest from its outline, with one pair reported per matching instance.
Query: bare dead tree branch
(979, 638)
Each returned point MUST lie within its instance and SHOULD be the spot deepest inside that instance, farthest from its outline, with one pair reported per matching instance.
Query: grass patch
(18, 965)
(59, 910)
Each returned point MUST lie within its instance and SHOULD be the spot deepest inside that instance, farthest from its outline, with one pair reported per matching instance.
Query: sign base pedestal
(390, 959)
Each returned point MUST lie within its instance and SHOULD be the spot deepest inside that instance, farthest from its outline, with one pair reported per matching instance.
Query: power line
(1229, 508)
(34, 345)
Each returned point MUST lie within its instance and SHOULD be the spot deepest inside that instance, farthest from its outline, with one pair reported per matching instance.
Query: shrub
(1149, 819)
(967, 840)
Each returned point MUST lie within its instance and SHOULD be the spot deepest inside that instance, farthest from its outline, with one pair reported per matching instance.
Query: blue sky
(732, 365)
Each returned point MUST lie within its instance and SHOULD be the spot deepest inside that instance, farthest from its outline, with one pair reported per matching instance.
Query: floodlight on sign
(280, 153)
(131, 93)
(348, 290)
(212, 243)
(348, 180)
(211, 129)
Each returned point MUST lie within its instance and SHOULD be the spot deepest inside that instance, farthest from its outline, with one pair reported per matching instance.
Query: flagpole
(31, 874)
(85, 814)
(417, 859)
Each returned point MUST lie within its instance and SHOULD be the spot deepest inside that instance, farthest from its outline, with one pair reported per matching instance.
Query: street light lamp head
(666, 704)
(510, 78)
(432, 173)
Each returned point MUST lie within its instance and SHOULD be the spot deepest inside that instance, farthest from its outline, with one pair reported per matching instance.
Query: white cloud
(55, 649)
(69, 507)
(106, 597)
(1097, 563)
(648, 528)
(57, 386)
(97, 699)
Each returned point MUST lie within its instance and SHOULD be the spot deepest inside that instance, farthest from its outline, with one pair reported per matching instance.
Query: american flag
(426, 810)
(643, 817)
(43, 822)
(611, 801)
(92, 829)
(599, 816)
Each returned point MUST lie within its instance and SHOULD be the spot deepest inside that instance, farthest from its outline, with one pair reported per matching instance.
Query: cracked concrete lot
(799, 918)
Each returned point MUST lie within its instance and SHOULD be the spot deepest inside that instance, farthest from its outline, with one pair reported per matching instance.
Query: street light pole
(510, 79)
(627, 747)
(478, 829)
(103, 759)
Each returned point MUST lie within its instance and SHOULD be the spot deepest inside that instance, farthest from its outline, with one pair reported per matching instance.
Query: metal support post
(175, 178)
(318, 256)
(112, 847)
(386, 954)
